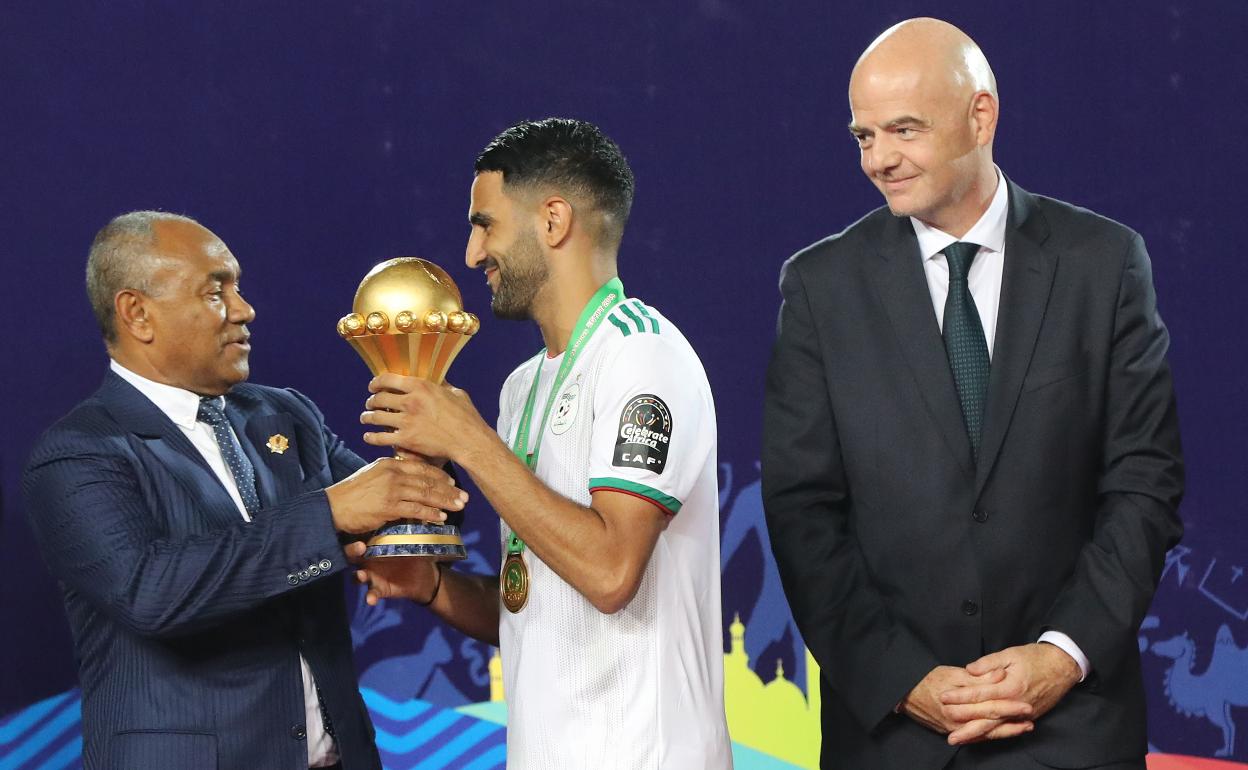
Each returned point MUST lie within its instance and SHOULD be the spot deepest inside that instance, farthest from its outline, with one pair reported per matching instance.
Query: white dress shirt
(984, 282)
(182, 408)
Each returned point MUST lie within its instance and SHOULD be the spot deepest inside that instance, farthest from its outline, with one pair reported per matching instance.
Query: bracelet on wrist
(437, 586)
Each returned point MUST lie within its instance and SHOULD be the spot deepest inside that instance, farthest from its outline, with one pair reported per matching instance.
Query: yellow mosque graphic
(774, 717)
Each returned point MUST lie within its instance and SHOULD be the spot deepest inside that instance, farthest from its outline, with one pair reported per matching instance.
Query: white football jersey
(641, 689)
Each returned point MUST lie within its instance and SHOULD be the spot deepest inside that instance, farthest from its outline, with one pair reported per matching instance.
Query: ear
(984, 117)
(556, 220)
(133, 316)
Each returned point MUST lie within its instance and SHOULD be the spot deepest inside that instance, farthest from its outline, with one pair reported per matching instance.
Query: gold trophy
(409, 319)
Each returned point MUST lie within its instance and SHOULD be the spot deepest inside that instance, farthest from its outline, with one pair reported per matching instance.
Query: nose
(241, 311)
(880, 157)
(474, 252)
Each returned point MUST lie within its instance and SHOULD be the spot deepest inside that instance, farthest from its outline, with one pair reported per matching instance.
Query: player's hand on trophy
(415, 579)
(389, 489)
(421, 417)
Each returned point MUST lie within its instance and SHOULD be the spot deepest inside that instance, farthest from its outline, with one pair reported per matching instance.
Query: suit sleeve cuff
(1068, 646)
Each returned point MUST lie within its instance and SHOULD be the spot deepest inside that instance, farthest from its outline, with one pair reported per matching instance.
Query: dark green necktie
(964, 342)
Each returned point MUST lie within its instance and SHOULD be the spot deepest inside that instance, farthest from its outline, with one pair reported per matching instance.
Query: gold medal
(514, 583)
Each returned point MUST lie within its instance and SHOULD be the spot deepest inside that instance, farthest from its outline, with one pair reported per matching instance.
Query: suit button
(303, 574)
(293, 579)
(980, 515)
(298, 733)
(969, 607)
(325, 565)
(314, 570)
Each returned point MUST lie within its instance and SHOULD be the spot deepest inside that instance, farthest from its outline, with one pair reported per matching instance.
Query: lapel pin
(278, 443)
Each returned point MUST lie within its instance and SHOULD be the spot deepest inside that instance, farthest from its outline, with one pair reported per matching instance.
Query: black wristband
(436, 586)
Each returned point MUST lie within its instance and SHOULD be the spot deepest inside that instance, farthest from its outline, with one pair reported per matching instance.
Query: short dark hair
(121, 257)
(568, 155)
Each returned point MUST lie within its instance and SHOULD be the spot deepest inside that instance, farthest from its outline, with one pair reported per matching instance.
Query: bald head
(924, 103)
(946, 55)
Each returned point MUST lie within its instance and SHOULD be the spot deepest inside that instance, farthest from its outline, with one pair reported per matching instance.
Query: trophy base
(414, 538)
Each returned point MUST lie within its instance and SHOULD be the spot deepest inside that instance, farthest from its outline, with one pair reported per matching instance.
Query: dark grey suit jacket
(897, 552)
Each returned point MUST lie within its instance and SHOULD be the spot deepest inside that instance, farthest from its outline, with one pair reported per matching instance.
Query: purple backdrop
(319, 138)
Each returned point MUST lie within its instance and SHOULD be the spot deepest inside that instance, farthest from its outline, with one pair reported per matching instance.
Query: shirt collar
(180, 406)
(988, 232)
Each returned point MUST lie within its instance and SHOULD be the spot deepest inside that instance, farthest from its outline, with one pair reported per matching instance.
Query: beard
(520, 280)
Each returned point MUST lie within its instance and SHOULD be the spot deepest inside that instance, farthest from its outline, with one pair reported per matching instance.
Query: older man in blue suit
(196, 525)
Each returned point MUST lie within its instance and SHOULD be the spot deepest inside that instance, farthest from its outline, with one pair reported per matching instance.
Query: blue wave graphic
(495, 757)
(38, 733)
(404, 711)
(70, 755)
(469, 740)
(411, 735)
(23, 720)
(422, 734)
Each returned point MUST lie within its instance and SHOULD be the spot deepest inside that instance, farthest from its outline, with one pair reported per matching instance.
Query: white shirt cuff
(1068, 646)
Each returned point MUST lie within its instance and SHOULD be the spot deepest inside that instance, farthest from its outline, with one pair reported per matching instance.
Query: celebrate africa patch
(645, 434)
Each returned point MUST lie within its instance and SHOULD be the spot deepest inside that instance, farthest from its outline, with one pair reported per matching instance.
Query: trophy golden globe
(408, 319)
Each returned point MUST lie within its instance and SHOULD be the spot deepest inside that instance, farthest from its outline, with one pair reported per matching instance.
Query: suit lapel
(902, 288)
(170, 446)
(217, 507)
(278, 475)
(1025, 287)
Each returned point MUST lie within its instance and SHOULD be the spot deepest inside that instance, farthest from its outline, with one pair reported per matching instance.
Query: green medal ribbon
(607, 297)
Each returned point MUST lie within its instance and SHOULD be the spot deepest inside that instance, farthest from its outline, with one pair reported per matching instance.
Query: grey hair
(121, 258)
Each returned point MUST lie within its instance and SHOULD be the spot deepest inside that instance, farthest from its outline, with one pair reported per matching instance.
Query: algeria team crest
(566, 409)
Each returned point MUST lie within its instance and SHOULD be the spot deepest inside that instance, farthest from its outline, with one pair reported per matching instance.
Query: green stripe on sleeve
(626, 310)
(654, 322)
(623, 327)
(667, 502)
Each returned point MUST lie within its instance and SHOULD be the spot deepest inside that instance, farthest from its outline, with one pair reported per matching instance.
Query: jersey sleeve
(654, 422)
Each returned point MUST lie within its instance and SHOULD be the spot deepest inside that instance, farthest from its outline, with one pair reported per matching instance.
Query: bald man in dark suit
(971, 463)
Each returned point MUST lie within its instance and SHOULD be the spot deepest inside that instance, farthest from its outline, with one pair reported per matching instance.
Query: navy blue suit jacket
(188, 621)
